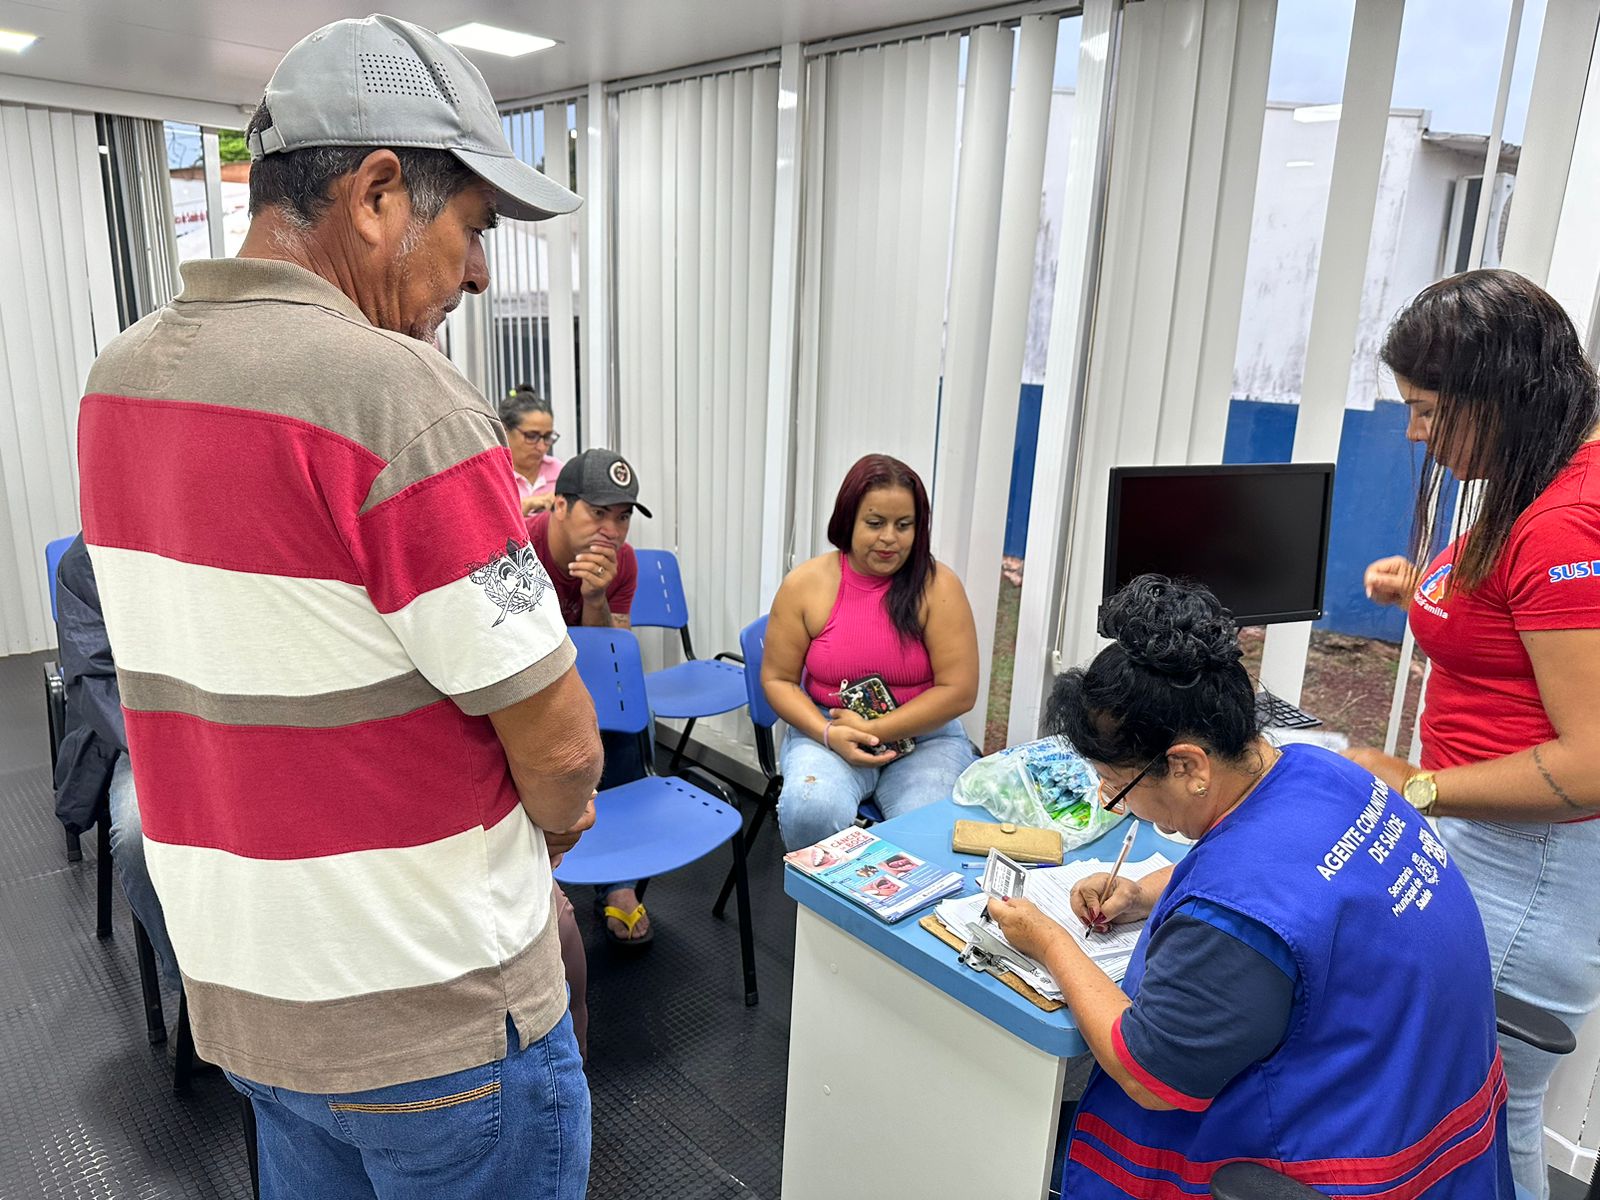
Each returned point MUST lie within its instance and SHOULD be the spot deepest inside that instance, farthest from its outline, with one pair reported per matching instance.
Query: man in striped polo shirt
(356, 729)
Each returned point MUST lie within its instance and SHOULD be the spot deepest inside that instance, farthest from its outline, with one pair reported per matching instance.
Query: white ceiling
(223, 50)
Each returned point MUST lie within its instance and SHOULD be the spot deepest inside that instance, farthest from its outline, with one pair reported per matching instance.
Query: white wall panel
(57, 307)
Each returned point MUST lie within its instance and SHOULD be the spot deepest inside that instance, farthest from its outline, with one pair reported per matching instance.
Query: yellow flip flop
(629, 919)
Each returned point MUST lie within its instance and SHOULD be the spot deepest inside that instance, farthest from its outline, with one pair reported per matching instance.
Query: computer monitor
(1256, 535)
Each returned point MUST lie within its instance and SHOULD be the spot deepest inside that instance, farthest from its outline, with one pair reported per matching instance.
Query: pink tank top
(859, 640)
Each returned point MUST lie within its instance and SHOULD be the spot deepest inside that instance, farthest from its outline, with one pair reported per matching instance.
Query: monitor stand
(1274, 713)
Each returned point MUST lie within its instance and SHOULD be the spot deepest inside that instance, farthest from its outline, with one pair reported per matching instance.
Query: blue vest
(1388, 1082)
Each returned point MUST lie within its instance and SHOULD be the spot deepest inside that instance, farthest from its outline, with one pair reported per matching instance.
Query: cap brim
(607, 499)
(522, 193)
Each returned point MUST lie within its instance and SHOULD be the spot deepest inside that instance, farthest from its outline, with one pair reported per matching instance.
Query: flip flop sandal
(630, 919)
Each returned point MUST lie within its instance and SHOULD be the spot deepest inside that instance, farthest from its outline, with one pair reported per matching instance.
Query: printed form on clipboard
(1050, 888)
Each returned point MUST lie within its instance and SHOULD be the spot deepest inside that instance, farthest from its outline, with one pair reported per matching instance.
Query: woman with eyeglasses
(1312, 986)
(530, 428)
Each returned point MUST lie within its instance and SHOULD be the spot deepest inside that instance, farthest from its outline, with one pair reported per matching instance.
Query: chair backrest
(610, 667)
(753, 645)
(658, 600)
(52, 559)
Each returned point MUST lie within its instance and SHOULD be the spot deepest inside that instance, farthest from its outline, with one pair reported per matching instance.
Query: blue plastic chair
(697, 687)
(654, 824)
(753, 644)
(52, 559)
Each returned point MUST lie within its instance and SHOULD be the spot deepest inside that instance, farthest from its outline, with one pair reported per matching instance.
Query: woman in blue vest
(1312, 988)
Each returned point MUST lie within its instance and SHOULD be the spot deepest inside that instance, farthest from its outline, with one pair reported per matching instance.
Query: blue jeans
(1534, 884)
(514, 1128)
(127, 855)
(821, 791)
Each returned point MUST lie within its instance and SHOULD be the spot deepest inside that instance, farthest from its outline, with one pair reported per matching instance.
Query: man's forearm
(554, 800)
(597, 612)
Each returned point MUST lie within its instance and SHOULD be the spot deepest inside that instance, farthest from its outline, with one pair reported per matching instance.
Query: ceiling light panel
(491, 39)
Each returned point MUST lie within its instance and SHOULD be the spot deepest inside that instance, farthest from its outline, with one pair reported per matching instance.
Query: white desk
(910, 1074)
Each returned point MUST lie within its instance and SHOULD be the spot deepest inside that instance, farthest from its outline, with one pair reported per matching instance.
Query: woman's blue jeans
(821, 791)
(1535, 886)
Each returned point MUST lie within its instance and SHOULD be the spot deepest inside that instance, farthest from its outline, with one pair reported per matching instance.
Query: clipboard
(1010, 978)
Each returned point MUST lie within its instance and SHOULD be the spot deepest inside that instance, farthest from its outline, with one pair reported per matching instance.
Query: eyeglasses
(548, 439)
(1118, 801)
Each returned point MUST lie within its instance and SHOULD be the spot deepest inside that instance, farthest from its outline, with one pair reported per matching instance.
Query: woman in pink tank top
(879, 607)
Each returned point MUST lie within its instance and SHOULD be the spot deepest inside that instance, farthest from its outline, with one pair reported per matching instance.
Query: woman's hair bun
(1173, 628)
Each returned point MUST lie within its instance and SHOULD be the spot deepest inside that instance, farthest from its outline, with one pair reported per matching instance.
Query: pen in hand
(1111, 881)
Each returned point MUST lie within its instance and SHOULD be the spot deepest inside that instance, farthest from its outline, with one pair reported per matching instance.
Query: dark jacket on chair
(94, 734)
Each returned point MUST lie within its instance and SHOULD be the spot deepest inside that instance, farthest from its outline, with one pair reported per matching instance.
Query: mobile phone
(871, 698)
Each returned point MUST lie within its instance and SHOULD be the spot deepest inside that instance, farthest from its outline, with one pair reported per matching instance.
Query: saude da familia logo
(1567, 572)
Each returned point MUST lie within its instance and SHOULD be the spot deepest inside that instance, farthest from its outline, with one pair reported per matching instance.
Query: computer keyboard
(1275, 713)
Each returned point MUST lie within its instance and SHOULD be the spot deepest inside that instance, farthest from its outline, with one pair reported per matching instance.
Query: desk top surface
(926, 834)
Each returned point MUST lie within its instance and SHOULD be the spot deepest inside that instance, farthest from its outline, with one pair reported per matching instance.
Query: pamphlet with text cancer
(876, 874)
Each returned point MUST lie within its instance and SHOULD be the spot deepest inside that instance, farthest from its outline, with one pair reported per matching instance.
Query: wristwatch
(1421, 791)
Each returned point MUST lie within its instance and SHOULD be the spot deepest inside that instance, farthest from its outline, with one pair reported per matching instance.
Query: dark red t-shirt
(1483, 701)
(619, 593)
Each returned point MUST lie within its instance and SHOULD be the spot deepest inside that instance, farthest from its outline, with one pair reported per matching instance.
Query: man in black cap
(583, 543)
(583, 540)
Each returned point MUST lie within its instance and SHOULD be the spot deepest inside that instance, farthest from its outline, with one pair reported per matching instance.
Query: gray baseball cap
(380, 81)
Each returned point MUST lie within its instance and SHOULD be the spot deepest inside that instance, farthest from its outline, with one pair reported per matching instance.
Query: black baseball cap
(601, 478)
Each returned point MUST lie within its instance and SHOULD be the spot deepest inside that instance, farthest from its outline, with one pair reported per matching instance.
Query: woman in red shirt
(1508, 613)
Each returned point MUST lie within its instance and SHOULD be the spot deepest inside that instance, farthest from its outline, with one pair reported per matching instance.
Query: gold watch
(1421, 791)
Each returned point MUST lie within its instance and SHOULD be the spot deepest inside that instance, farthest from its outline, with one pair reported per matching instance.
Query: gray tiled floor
(688, 1084)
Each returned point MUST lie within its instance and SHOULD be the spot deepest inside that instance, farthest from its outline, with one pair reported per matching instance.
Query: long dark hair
(874, 471)
(1174, 671)
(1514, 384)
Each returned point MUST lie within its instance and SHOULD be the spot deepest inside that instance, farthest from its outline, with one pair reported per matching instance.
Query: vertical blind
(534, 277)
(881, 141)
(923, 194)
(696, 178)
(57, 308)
(139, 196)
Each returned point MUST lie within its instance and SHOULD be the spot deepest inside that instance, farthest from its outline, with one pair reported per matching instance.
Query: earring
(1201, 790)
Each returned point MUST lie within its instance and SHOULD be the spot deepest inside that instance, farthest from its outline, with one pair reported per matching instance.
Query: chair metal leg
(155, 1021)
(183, 1060)
(747, 940)
(74, 847)
(683, 744)
(103, 878)
(767, 804)
(248, 1112)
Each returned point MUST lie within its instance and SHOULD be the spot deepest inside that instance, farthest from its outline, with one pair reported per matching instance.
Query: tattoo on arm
(1554, 786)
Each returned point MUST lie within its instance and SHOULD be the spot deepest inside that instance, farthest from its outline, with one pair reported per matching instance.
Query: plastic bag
(1046, 784)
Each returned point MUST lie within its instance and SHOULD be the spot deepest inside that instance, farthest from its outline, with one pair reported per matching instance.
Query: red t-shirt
(619, 593)
(1483, 701)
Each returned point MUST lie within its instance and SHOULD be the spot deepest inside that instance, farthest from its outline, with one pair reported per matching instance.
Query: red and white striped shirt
(316, 583)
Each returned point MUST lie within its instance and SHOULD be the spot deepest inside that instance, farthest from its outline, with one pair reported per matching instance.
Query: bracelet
(827, 725)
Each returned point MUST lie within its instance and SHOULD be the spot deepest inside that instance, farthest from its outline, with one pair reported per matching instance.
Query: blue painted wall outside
(1373, 492)
(1016, 543)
